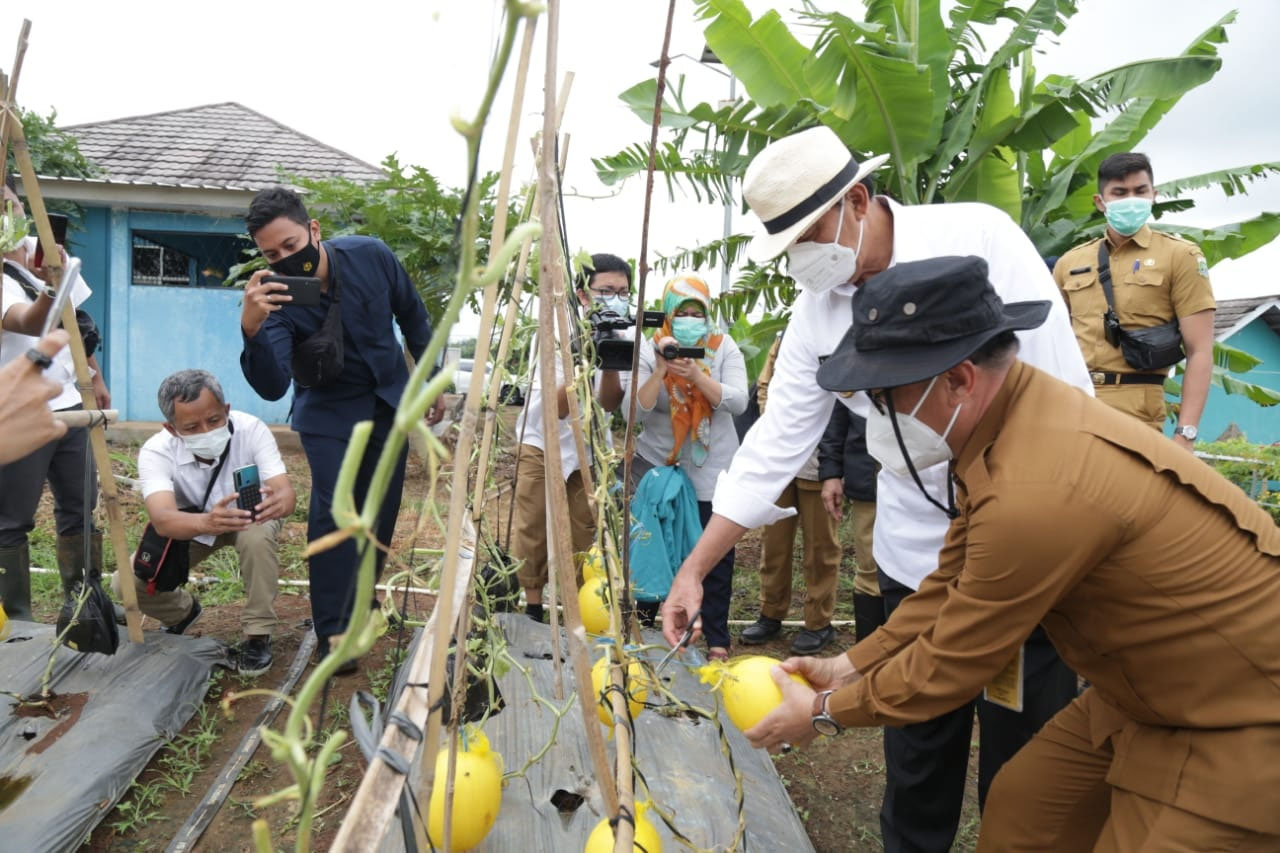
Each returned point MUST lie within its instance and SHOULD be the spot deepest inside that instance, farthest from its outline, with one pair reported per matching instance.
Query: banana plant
(961, 119)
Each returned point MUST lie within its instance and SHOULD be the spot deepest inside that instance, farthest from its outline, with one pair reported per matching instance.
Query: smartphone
(69, 274)
(58, 223)
(304, 289)
(247, 486)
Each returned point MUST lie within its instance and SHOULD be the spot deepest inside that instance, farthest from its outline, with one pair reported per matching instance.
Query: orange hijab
(690, 411)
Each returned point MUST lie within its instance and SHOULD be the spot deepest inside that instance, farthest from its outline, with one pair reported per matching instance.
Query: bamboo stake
(77, 418)
(496, 239)
(424, 774)
(624, 831)
(489, 308)
(11, 93)
(97, 435)
(552, 269)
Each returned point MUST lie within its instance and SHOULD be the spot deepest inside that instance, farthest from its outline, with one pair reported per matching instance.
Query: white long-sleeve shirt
(909, 530)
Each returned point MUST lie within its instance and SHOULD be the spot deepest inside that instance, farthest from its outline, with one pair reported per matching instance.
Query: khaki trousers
(1144, 402)
(821, 558)
(529, 539)
(1053, 796)
(861, 517)
(259, 570)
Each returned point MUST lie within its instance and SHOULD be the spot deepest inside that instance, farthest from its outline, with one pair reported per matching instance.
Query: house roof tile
(223, 145)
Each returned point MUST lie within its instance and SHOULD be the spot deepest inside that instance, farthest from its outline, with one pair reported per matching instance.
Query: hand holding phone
(248, 488)
(58, 223)
(303, 290)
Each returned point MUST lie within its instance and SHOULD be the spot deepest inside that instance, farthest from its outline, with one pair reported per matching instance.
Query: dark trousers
(61, 463)
(926, 763)
(333, 572)
(717, 589)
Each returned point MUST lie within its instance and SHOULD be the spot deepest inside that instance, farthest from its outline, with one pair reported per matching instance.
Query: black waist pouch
(318, 360)
(1152, 348)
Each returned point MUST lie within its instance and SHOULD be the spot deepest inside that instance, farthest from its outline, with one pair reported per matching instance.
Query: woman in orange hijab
(686, 403)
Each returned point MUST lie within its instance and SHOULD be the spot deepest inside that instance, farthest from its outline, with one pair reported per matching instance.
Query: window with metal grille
(184, 259)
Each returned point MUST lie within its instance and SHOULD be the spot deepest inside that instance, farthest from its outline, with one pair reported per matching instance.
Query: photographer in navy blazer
(345, 364)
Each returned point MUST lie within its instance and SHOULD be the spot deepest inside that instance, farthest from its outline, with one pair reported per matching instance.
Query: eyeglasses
(611, 292)
(879, 398)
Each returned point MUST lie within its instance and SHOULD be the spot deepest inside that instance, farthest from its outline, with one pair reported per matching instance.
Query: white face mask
(620, 305)
(924, 446)
(208, 445)
(818, 267)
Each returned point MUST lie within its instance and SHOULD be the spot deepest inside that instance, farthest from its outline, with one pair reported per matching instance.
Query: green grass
(745, 603)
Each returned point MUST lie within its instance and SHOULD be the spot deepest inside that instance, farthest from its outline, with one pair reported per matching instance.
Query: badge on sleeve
(1005, 689)
(1202, 266)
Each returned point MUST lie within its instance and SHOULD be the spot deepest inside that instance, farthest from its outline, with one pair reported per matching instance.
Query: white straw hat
(794, 181)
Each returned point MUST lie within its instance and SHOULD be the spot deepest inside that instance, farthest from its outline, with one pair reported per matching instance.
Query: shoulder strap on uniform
(1104, 273)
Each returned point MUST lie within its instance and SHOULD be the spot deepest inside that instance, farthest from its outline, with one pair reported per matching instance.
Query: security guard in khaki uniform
(1156, 578)
(1156, 278)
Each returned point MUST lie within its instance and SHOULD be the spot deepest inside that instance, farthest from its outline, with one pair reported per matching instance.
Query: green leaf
(1230, 241)
(1235, 360)
(763, 55)
(1154, 78)
(1231, 181)
(640, 98)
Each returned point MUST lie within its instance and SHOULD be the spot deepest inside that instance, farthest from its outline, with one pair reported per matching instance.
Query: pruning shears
(684, 640)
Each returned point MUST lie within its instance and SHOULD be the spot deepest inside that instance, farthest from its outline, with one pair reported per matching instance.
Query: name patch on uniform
(1202, 266)
(1005, 689)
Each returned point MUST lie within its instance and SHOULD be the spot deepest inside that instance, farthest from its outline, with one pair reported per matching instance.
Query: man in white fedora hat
(816, 204)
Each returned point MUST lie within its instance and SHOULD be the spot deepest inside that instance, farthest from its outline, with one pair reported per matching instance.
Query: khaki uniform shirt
(1157, 579)
(1155, 277)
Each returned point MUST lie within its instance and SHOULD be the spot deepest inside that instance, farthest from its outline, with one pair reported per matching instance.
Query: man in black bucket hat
(816, 204)
(1156, 578)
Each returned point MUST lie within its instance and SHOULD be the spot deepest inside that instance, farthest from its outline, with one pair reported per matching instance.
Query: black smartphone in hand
(305, 290)
(58, 223)
(248, 487)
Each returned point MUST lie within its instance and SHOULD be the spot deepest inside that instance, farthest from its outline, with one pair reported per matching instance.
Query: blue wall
(1260, 425)
(152, 331)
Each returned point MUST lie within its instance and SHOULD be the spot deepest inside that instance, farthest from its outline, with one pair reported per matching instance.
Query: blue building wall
(1260, 425)
(151, 330)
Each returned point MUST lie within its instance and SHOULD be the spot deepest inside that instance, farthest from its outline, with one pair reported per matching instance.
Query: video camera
(673, 351)
(614, 352)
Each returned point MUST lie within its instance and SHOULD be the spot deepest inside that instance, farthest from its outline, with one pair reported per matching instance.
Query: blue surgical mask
(620, 305)
(1128, 215)
(688, 330)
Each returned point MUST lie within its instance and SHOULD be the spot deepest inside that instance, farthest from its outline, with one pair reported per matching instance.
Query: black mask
(303, 262)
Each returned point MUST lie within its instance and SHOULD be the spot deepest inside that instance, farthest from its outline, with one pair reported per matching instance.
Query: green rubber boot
(71, 559)
(15, 581)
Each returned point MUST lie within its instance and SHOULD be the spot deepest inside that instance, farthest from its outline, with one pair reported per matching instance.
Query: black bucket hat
(918, 319)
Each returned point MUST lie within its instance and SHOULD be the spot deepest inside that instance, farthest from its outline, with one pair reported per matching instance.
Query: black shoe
(762, 630)
(255, 655)
(347, 667)
(811, 642)
(192, 618)
(535, 612)
(121, 618)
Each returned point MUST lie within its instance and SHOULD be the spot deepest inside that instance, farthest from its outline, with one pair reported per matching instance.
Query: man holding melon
(1157, 579)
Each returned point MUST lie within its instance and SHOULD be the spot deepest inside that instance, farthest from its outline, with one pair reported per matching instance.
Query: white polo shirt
(528, 428)
(166, 465)
(13, 344)
(909, 530)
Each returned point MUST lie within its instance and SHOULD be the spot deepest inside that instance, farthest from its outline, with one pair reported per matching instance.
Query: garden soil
(836, 785)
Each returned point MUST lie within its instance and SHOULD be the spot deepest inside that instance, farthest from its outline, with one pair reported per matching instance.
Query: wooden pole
(552, 269)
(11, 93)
(87, 417)
(378, 796)
(496, 239)
(13, 135)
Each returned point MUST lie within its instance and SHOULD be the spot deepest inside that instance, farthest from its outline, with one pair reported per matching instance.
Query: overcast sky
(382, 76)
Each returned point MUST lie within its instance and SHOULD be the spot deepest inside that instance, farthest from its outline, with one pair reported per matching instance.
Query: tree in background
(962, 121)
(54, 152)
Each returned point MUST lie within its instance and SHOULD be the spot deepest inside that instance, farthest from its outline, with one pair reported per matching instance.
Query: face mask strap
(950, 511)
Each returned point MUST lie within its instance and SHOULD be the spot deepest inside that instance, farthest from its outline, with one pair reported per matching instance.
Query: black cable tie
(395, 761)
(622, 815)
(406, 726)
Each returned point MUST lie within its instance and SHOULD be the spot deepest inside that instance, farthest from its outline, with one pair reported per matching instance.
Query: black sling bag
(1152, 348)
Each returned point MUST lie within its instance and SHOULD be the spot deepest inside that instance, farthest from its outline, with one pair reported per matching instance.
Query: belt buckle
(1098, 377)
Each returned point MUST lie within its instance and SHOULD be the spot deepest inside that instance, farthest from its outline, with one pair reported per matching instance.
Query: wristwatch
(1188, 431)
(824, 723)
